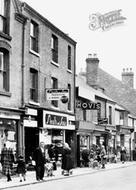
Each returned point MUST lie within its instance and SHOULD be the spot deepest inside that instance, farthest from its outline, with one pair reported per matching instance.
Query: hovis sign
(58, 94)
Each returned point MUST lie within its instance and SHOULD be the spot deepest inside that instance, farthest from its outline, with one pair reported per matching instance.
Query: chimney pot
(128, 77)
(90, 55)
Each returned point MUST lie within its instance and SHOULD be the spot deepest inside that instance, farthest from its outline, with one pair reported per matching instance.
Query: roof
(87, 91)
(118, 91)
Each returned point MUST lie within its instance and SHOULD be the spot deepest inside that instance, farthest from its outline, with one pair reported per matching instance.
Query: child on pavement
(21, 168)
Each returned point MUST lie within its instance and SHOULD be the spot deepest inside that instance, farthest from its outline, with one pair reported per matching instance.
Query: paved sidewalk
(30, 176)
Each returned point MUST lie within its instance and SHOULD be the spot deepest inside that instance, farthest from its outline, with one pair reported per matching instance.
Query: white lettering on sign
(55, 120)
(88, 105)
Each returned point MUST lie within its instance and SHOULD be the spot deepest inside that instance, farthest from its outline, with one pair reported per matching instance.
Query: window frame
(54, 85)
(69, 100)
(33, 85)
(5, 69)
(34, 36)
(4, 16)
(110, 114)
(54, 48)
(69, 57)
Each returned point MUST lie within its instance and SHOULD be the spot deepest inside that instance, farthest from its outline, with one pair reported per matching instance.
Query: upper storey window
(34, 36)
(54, 48)
(4, 70)
(4, 16)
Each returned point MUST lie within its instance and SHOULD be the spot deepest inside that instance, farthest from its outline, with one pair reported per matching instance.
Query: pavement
(31, 179)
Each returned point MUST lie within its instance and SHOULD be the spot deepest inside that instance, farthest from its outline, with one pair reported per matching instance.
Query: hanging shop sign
(88, 105)
(57, 94)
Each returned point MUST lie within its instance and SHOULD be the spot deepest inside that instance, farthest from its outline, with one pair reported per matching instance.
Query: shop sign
(88, 105)
(30, 111)
(57, 94)
(102, 120)
(30, 123)
(57, 120)
(8, 115)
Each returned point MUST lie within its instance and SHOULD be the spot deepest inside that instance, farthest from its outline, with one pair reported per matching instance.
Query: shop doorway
(31, 141)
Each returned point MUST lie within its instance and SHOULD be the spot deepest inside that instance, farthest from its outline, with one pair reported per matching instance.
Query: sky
(115, 47)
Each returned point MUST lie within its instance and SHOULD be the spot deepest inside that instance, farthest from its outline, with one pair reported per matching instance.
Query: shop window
(4, 70)
(69, 58)
(54, 85)
(8, 129)
(34, 36)
(69, 102)
(84, 142)
(54, 48)
(34, 85)
(4, 17)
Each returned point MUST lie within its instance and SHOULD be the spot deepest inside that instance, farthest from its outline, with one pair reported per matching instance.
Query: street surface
(117, 179)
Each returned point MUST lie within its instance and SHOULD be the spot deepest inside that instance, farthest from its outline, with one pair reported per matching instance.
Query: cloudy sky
(115, 48)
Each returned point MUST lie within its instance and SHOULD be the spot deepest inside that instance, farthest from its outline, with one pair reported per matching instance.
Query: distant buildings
(114, 123)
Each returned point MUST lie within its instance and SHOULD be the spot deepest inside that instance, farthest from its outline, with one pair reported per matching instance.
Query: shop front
(57, 128)
(84, 138)
(9, 129)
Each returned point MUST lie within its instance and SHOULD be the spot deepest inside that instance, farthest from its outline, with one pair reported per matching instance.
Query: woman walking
(67, 163)
(7, 160)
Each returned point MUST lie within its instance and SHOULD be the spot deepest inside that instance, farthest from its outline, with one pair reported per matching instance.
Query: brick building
(41, 57)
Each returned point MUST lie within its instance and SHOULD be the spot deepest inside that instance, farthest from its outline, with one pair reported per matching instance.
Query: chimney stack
(92, 64)
(128, 77)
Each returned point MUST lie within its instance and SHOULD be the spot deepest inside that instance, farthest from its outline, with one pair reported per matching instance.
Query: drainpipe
(23, 63)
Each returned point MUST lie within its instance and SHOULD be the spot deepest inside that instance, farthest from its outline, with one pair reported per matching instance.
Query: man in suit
(39, 158)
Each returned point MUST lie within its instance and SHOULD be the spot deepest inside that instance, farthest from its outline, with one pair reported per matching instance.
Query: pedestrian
(7, 160)
(85, 157)
(39, 158)
(123, 154)
(67, 162)
(103, 156)
(21, 168)
(51, 153)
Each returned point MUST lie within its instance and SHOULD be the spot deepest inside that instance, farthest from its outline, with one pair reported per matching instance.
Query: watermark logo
(106, 21)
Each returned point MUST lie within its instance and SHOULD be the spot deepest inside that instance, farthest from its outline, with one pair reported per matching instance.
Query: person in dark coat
(103, 156)
(7, 160)
(39, 158)
(67, 163)
(123, 155)
(21, 168)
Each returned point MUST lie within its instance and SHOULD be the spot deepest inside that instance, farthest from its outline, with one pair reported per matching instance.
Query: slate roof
(117, 90)
(81, 82)
(114, 88)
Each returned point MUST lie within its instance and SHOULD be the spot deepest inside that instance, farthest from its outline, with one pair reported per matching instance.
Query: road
(117, 179)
